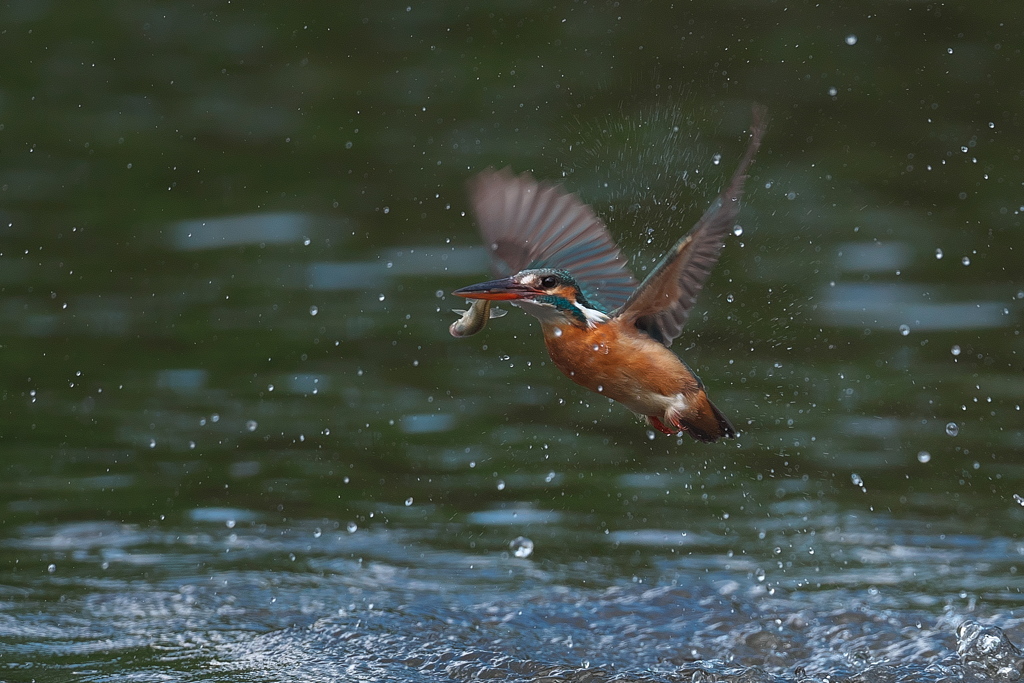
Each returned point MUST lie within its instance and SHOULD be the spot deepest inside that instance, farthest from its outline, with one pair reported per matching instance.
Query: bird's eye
(548, 281)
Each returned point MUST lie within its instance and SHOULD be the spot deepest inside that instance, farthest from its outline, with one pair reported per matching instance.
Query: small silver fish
(475, 318)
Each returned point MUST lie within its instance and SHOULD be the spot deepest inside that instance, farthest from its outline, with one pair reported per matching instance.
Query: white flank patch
(677, 405)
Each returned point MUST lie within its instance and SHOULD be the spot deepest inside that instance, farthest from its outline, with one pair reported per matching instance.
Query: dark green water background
(234, 429)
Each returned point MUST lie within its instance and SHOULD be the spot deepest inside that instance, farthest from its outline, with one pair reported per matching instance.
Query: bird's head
(553, 296)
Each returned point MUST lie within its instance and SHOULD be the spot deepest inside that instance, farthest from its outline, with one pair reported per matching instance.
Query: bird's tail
(705, 422)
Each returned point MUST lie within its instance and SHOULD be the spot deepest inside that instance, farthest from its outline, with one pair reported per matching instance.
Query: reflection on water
(875, 257)
(233, 231)
(891, 306)
(239, 443)
(402, 262)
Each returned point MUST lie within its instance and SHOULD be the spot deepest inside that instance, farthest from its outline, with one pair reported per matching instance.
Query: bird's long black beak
(496, 290)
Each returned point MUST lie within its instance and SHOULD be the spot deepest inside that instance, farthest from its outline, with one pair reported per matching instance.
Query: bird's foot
(659, 425)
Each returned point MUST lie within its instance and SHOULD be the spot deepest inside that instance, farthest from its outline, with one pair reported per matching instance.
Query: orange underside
(621, 363)
(627, 366)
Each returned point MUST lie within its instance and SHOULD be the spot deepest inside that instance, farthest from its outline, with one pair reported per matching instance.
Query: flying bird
(557, 261)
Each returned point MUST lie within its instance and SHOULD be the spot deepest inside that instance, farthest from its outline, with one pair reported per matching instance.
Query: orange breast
(621, 363)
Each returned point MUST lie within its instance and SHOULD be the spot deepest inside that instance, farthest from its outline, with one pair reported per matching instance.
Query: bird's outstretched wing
(527, 224)
(662, 302)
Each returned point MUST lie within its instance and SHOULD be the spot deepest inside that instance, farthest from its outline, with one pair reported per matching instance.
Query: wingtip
(758, 125)
(492, 177)
(759, 117)
(487, 178)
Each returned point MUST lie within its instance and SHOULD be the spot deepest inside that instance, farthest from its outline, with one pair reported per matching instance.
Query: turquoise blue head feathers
(551, 294)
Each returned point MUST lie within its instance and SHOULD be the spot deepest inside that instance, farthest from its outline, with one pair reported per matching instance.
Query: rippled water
(241, 599)
(239, 443)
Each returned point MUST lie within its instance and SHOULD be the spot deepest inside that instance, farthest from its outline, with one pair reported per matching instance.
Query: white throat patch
(592, 315)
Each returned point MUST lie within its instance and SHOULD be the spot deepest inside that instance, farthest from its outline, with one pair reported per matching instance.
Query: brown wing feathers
(527, 224)
(662, 303)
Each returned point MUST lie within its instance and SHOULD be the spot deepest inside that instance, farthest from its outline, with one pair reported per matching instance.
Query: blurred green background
(228, 233)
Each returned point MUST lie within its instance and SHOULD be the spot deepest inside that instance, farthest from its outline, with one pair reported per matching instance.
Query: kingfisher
(556, 260)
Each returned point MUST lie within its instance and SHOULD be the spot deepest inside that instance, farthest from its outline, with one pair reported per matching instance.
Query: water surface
(238, 442)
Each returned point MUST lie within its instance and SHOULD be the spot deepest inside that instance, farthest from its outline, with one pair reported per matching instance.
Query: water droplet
(501, 485)
(924, 456)
(904, 330)
(851, 39)
(52, 568)
(833, 91)
(408, 501)
(380, 298)
(317, 532)
(521, 547)
(938, 253)
(549, 478)
(952, 428)
(313, 310)
(716, 159)
(351, 527)
(230, 523)
(730, 298)
(251, 425)
(966, 260)
(1017, 497)
(738, 230)
(955, 350)
(152, 443)
(857, 480)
